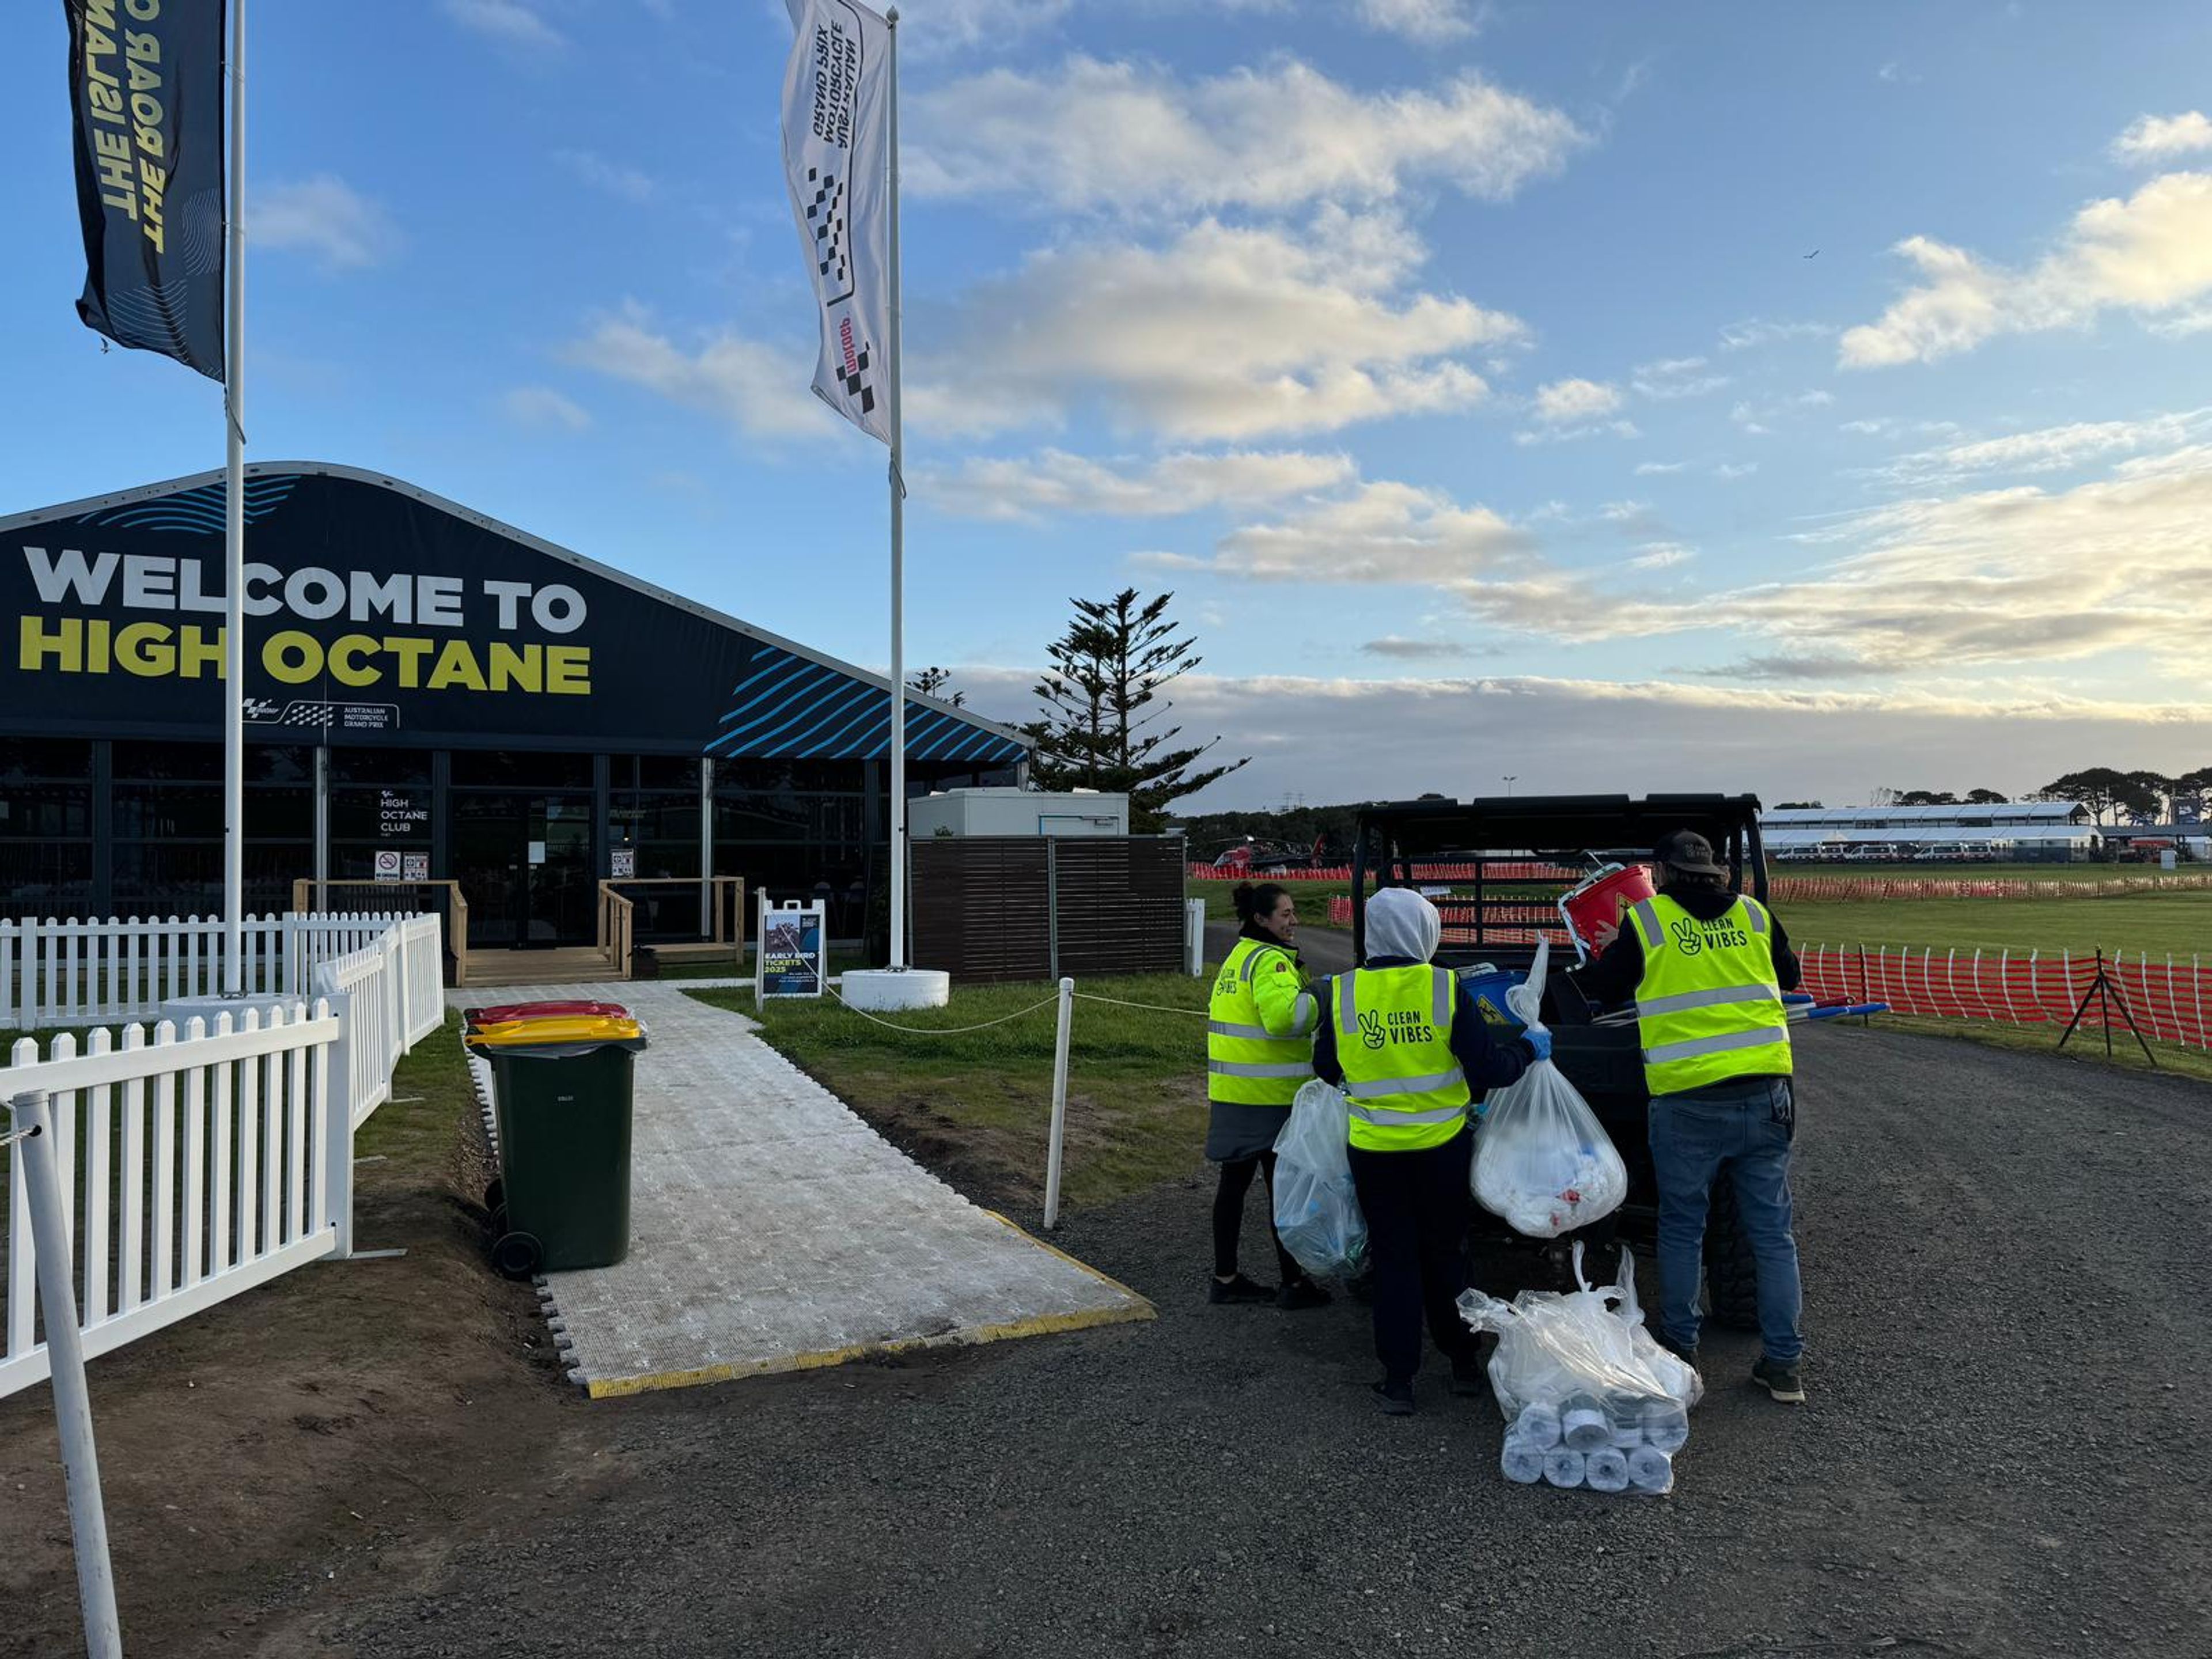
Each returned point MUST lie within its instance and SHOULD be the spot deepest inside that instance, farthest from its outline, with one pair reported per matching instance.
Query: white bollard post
(1059, 1103)
(1194, 912)
(95, 1573)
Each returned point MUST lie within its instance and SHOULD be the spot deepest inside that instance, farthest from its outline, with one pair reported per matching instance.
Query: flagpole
(234, 513)
(898, 540)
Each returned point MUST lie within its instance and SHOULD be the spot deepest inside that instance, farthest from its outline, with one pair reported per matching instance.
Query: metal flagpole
(898, 542)
(233, 656)
(50, 1246)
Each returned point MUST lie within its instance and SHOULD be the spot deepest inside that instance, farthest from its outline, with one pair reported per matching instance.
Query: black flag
(146, 89)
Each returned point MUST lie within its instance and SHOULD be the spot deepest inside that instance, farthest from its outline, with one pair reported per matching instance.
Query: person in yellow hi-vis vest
(1406, 1042)
(1707, 968)
(1258, 1050)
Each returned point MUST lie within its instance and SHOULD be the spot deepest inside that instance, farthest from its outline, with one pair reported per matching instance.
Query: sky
(1803, 400)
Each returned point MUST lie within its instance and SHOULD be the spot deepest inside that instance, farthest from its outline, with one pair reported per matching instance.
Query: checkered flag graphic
(308, 713)
(827, 215)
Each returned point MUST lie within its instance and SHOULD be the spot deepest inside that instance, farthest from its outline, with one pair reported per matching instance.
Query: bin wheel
(518, 1255)
(496, 1195)
(498, 1221)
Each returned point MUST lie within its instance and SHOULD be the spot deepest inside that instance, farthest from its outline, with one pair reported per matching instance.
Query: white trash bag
(1316, 1211)
(1590, 1399)
(1542, 1161)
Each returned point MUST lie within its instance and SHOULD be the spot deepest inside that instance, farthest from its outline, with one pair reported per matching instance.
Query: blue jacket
(1489, 1062)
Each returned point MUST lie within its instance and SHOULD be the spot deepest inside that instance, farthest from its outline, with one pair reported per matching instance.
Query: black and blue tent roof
(667, 674)
(789, 707)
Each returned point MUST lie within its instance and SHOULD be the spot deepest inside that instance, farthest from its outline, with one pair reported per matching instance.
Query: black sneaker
(1687, 1356)
(1781, 1378)
(1393, 1399)
(1468, 1378)
(1237, 1290)
(1301, 1293)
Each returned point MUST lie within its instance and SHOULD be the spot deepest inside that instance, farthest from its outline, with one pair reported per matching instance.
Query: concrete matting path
(772, 1230)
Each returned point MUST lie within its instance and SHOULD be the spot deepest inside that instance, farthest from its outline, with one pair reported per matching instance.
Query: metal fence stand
(1059, 1102)
(2108, 995)
(95, 1572)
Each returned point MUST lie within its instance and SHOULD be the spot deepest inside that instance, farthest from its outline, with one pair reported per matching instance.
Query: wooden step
(578, 965)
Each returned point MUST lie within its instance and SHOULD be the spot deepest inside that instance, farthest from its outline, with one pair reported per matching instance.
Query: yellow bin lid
(534, 1033)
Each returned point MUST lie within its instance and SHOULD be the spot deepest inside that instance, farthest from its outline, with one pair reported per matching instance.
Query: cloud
(1753, 416)
(1565, 401)
(1401, 650)
(1730, 471)
(1757, 331)
(2017, 576)
(2160, 138)
(2050, 449)
(2150, 254)
(508, 21)
(1054, 481)
(323, 216)
(1563, 435)
(1383, 532)
(1655, 469)
(1124, 138)
(1390, 739)
(1663, 556)
(1424, 20)
(1226, 334)
(595, 170)
(542, 406)
(1674, 378)
(2188, 323)
(760, 390)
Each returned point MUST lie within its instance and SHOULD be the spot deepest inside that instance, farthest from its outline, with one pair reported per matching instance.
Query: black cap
(1689, 852)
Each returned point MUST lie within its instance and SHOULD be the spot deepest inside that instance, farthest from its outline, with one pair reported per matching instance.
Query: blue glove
(1541, 1042)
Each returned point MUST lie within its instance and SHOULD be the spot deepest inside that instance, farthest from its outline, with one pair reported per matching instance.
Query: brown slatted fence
(990, 909)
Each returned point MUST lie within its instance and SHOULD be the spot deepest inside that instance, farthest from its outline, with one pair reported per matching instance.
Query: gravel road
(2003, 1456)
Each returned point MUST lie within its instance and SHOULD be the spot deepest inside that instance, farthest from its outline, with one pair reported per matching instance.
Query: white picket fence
(394, 995)
(200, 1164)
(63, 973)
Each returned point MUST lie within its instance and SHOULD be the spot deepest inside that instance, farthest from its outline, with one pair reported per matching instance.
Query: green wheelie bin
(560, 1099)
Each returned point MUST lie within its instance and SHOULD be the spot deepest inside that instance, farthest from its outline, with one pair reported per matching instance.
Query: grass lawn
(976, 1106)
(1312, 896)
(2179, 922)
(1961, 871)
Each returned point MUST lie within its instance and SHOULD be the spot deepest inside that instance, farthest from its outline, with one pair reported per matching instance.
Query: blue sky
(1458, 365)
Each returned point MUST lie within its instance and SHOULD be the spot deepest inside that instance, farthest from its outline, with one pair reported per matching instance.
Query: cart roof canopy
(1422, 828)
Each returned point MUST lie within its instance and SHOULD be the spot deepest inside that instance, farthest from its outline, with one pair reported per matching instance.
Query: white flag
(836, 91)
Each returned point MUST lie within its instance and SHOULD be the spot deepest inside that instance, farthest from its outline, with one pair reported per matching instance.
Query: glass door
(527, 867)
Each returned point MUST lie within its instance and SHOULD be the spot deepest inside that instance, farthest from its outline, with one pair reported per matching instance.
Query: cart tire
(1731, 1271)
(496, 1195)
(517, 1255)
(498, 1221)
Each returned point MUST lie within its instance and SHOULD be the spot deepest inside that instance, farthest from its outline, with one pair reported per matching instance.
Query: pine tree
(1102, 691)
(931, 681)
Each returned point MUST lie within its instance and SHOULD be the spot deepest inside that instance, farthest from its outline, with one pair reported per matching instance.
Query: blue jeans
(1743, 1128)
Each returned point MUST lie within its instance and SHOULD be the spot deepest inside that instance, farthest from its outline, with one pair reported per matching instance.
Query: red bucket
(1598, 902)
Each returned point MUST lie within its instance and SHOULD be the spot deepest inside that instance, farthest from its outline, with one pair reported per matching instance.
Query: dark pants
(1228, 1215)
(1417, 1205)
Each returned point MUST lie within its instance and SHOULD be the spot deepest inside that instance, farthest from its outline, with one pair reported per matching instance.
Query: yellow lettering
(195, 651)
(144, 78)
(410, 653)
(457, 665)
(569, 671)
(512, 670)
(97, 42)
(344, 669)
(144, 649)
(96, 643)
(107, 101)
(142, 48)
(36, 644)
(292, 656)
(144, 11)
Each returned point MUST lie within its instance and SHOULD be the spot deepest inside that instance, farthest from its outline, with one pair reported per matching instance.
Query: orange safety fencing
(1431, 872)
(2170, 1001)
(1816, 889)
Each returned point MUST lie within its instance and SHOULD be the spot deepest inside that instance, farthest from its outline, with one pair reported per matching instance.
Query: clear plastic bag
(1589, 1398)
(1317, 1213)
(1542, 1161)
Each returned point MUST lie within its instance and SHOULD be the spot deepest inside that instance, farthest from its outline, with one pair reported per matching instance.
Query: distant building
(2014, 832)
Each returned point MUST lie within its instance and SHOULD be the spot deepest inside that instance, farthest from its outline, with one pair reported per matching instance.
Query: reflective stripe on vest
(1388, 1018)
(1709, 1008)
(1246, 1064)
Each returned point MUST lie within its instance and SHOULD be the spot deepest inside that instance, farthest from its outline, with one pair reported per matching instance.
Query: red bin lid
(512, 1010)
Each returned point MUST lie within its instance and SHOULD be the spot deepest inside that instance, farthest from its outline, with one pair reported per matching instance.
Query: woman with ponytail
(1259, 1052)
